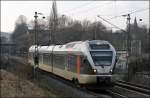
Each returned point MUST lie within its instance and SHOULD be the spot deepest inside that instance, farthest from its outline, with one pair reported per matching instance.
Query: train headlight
(111, 71)
(94, 70)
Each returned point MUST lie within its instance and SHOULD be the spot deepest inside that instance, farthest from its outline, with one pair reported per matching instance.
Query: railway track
(129, 83)
(116, 94)
(134, 87)
(107, 92)
(47, 75)
(98, 93)
(75, 86)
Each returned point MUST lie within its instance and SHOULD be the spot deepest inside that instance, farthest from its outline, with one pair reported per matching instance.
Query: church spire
(53, 22)
(135, 23)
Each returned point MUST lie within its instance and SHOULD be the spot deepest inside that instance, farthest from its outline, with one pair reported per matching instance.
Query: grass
(25, 72)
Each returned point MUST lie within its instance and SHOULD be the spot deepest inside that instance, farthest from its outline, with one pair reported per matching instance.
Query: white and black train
(86, 62)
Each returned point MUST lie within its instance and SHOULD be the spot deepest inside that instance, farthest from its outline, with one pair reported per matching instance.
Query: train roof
(77, 47)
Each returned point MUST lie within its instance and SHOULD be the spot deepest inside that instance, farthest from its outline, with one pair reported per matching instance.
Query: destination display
(99, 46)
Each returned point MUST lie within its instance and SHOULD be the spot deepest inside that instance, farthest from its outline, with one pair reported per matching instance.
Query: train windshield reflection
(102, 58)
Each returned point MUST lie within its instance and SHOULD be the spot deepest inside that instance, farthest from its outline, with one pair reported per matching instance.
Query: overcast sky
(10, 10)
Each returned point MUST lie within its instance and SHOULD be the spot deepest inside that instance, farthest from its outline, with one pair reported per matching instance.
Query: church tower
(135, 24)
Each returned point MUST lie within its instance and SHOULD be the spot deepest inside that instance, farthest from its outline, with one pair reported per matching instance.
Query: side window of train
(40, 59)
(59, 61)
(85, 66)
(72, 62)
(46, 59)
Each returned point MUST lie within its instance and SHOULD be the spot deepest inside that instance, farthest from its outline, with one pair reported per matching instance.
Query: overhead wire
(93, 8)
(78, 10)
(136, 11)
(88, 9)
(80, 6)
(111, 24)
(140, 10)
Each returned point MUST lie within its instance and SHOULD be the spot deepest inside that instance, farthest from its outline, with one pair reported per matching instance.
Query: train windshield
(102, 58)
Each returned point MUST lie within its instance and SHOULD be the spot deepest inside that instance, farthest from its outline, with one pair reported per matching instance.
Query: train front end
(102, 58)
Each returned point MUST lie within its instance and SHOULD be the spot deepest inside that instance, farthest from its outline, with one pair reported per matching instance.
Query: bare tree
(19, 36)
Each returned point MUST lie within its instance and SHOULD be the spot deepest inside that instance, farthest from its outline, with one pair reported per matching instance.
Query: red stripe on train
(78, 64)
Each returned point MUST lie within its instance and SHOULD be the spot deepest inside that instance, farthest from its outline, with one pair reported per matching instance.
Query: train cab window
(72, 62)
(59, 61)
(46, 59)
(85, 67)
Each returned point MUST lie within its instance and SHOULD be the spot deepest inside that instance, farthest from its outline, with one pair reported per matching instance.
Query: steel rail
(129, 83)
(133, 87)
(70, 83)
(116, 94)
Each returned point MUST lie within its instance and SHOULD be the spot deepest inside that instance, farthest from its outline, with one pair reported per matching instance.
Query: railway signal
(36, 59)
(128, 41)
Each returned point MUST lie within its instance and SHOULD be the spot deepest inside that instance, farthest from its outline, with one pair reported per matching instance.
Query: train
(83, 62)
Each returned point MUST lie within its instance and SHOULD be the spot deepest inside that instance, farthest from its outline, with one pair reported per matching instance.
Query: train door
(51, 60)
(78, 63)
(71, 66)
(85, 67)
